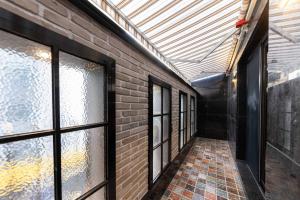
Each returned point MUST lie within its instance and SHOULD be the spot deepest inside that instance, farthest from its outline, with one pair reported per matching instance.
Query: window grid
(162, 142)
(192, 113)
(182, 119)
(56, 132)
(163, 88)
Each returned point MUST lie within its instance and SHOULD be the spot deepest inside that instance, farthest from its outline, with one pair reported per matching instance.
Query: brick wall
(132, 70)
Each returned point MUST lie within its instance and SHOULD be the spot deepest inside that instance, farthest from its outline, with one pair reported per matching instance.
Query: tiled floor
(207, 173)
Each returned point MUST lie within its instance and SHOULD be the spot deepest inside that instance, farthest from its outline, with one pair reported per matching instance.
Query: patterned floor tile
(208, 173)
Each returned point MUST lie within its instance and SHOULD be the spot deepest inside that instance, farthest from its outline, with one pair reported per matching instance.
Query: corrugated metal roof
(193, 37)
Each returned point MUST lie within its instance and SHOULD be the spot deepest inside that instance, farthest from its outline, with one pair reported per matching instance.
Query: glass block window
(182, 119)
(192, 116)
(53, 115)
(160, 123)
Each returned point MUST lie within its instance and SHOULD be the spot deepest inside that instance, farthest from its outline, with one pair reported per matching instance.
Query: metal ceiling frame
(174, 24)
(283, 33)
(227, 22)
(199, 51)
(208, 53)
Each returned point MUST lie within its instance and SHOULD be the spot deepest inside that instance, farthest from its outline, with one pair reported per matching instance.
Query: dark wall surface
(283, 141)
(232, 112)
(214, 107)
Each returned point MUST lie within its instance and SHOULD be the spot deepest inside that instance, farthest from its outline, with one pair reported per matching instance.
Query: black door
(253, 112)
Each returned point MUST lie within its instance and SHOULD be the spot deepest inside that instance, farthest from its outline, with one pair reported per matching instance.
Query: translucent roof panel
(191, 36)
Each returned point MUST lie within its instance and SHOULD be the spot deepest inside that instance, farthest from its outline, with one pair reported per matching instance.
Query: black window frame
(14, 24)
(155, 81)
(186, 120)
(192, 98)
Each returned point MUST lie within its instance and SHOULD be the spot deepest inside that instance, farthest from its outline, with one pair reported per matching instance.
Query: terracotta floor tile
(187, 194)
(210, 196)
(174, 196)
(209, 172)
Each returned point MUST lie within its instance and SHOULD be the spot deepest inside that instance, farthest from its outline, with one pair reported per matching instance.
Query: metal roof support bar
(208, 53)
(283, 33)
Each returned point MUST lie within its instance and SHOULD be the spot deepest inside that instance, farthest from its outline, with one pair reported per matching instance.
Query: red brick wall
(132, 70)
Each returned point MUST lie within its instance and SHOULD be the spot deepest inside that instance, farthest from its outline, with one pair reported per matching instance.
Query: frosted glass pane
(156, 99)
(194, 129)
(156, 162)
(192, 117)
(25, 85)
(26, 169)
(165, 127)
(99, 195)
(181, 103)
(181, 139)
(184, 120)
(156, 130)
(165, 153)
(81, 91)
(166, 100)
(192, 104)
(181, 120)
(82, 161)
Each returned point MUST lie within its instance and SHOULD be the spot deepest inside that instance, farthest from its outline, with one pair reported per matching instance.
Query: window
(55, 131)
(192, 117)
(159, 128)
(182, 119)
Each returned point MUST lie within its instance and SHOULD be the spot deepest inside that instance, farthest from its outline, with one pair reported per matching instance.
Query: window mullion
(161, 131)
(56, 124)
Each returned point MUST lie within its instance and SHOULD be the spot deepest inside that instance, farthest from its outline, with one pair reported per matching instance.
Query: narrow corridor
(208, 172)
(149, 100)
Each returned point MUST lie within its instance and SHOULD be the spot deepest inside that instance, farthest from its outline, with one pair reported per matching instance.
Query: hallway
(150, 100)
(208, 172)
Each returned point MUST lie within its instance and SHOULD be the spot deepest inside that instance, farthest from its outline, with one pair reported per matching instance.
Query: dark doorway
(253, 133)
(251, 101)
